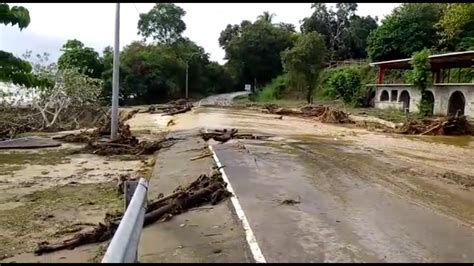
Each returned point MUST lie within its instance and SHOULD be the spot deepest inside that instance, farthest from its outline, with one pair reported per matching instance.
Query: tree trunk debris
(452, 126)
(321, 113)
(171, 108)
(98, 140)
(224, 135)
(204, 190)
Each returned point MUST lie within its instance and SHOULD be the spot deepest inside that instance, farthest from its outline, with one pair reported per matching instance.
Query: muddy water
(444, 153)
(367, 196)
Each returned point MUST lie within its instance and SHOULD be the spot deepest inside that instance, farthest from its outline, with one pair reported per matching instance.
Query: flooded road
(363, 196)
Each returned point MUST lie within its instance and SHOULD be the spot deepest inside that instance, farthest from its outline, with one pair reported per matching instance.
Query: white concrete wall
(415, 97)
(441, 93)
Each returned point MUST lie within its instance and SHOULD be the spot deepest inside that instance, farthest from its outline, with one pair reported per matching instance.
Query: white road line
(251, 240)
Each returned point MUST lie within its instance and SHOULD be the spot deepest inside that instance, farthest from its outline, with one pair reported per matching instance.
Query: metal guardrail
(124, 245)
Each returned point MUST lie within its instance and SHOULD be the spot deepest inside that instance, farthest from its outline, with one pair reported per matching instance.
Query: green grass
(390, 114)
(45, 157)
(26, 222)
(6, 169)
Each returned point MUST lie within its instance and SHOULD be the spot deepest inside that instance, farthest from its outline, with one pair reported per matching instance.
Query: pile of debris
(98, 140)
(171, 108)
(205, 189)
(321, 113)
(326, 114)
(224, 135)
(451, 126)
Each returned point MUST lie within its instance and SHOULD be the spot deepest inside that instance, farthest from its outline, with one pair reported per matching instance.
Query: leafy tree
(231, 32)
(13, 69)
(217, 79)
(68, 95)
(457, 26)
(253, 51)
(163, 23)
(419, 76)
(410, 28)
(17, 15)
(86, 59)
(305, 61)
(356, 39)
(344, 32)
(286, 26)
(156, 72)
(345, 84)
(266, 17)
(107, 73)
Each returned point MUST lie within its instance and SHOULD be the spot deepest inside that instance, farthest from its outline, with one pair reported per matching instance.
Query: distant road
(221, 99)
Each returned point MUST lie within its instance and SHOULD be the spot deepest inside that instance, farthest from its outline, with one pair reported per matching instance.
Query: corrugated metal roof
(438, 58)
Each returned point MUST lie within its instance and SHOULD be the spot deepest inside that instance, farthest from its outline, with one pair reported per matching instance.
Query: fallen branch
(201, 156)
(205, 189)
(180, 111)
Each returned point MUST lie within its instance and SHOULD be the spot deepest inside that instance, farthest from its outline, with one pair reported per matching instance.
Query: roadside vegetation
(361, 39)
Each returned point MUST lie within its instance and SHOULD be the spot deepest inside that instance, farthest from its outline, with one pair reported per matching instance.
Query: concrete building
(447, 96)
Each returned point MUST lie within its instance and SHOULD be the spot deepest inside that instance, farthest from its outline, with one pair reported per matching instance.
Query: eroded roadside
(54, 193)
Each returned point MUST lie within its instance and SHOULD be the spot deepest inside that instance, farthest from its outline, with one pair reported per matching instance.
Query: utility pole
(187, 67)
(187, 72)
(115, 76)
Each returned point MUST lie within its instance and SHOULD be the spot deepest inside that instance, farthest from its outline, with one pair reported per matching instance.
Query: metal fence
(124, 245)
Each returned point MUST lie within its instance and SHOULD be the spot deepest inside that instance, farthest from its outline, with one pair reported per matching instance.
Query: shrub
(273, 90)
(345, 84)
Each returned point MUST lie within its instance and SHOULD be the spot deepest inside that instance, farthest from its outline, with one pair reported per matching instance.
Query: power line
(136, 8)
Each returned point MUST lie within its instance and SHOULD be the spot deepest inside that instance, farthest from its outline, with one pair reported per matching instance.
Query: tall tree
(343, 31)
(266, 17)
(107, 73)
(163, 23)
(231, 32)
(86, 59)
(457, 26)
(355, 42)
(305, 61)
(408, 29)
(254, 51)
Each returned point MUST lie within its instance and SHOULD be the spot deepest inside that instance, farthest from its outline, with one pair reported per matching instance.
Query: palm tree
(266, 17)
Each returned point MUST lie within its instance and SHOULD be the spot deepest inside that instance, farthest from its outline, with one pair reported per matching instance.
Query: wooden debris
(321, 113)
(201, 156)
(205, 189)
(453, 126)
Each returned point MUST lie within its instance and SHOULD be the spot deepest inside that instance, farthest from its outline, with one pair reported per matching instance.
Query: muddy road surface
(221, 99)
(318, 192)
(312, 192)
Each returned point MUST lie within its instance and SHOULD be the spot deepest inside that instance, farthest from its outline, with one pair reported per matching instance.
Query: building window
(384, 96)
(394, 94)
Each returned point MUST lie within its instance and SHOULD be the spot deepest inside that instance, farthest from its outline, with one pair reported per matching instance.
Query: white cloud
(93, 24)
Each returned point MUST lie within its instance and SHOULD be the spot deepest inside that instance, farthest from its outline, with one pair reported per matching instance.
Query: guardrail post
(128, 191)
(124, 244)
